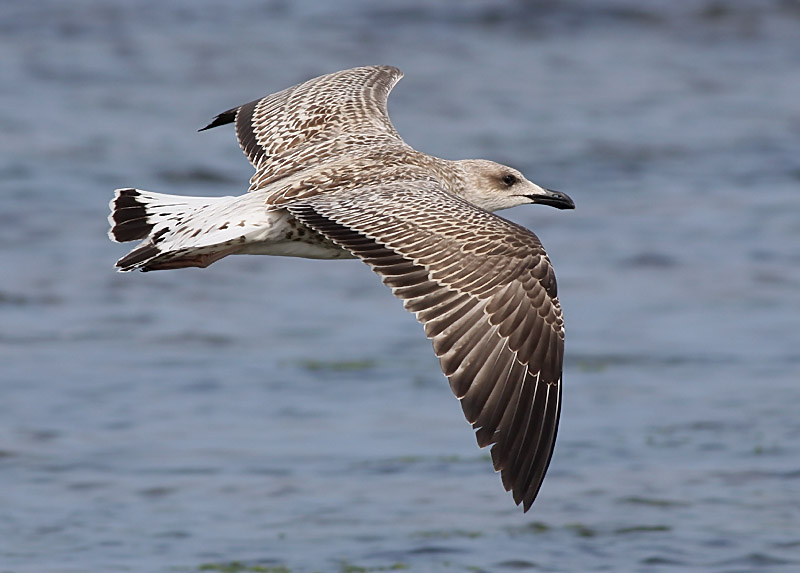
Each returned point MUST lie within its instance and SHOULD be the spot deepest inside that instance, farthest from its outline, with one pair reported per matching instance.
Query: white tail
(179, 231)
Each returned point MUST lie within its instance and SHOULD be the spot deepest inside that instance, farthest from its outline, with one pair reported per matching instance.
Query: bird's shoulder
(387, 166)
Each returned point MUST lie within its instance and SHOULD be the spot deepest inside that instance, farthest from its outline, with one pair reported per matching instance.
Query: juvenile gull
(334, 180)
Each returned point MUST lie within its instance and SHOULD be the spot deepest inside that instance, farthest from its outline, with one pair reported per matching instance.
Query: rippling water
(271, 414)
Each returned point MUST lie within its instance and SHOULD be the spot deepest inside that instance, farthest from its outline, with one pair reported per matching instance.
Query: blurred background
(271, 414)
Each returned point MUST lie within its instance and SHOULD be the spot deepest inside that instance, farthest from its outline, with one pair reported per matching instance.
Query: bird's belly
(307, 250)
(285, 236)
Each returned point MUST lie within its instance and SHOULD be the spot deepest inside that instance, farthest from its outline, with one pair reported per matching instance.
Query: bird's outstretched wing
(485, 292)
(314, 122)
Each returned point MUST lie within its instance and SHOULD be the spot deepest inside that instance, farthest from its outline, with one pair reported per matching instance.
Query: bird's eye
(509, 179)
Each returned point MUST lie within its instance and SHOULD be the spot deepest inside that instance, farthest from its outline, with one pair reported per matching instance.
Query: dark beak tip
(558, 199)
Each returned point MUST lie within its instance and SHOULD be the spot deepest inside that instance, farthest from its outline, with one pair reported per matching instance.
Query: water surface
(271, 412)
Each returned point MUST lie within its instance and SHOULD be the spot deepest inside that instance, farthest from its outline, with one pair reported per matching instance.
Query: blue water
(269, 412)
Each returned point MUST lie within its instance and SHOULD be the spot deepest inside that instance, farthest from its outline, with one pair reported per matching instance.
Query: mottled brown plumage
(334, 180)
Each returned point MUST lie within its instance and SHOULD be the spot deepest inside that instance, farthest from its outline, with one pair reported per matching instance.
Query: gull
(334, 180)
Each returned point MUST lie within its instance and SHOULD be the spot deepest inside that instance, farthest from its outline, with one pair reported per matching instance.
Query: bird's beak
(552, 198)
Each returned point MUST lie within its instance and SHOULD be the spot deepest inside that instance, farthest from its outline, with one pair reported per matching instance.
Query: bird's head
(492, 186)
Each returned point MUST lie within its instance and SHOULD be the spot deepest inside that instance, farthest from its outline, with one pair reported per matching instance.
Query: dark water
(267, 413)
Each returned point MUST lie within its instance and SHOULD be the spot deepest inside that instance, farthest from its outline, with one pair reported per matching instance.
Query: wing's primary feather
(314, 122)
(490, 307)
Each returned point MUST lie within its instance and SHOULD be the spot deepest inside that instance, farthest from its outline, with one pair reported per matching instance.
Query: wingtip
(228, 116)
